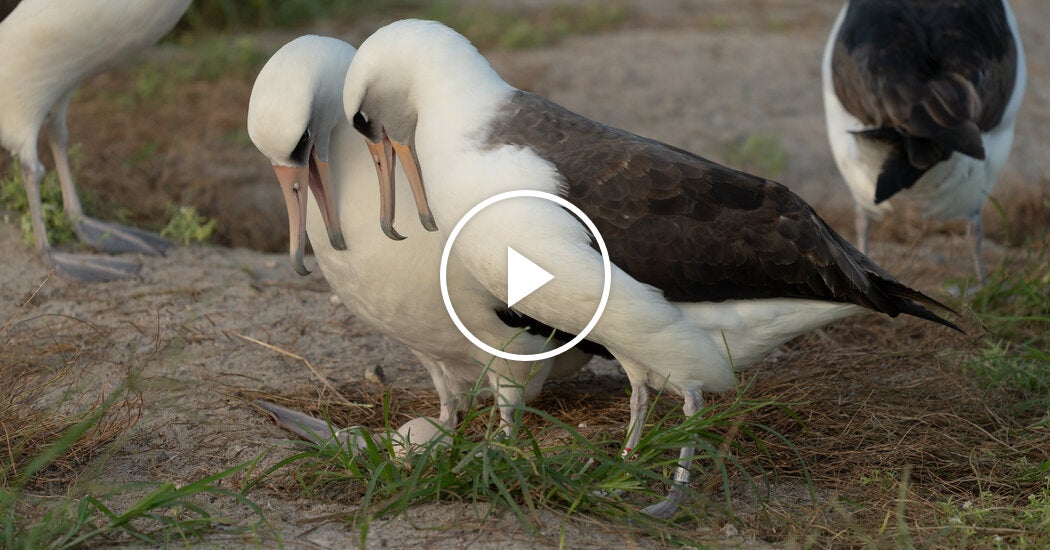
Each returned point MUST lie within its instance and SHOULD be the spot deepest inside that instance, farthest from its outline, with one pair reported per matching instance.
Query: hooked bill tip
(390, 232)
(298, 265)
(428, 222)
(337, 241)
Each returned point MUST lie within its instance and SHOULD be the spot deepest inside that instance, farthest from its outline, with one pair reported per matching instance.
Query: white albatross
(713, 267)
(920, 100)
(296, 119)
(49, 47)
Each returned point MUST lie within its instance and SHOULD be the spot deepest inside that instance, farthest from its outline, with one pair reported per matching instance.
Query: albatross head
(295, 104)
(397, 71)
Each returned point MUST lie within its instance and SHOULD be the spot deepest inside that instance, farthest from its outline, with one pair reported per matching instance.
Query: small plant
(759, 153)
(187, 226)
(1014, 308)
(13, 197)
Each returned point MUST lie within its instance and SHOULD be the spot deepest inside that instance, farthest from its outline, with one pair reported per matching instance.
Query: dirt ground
(702, 75)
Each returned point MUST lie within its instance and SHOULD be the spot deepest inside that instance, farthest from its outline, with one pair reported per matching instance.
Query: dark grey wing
(6, 7)
(696, 230)
(927, 77)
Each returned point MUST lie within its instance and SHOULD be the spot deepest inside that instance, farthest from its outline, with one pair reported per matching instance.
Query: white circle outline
(606, 266)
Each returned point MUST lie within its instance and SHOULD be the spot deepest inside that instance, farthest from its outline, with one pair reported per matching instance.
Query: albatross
(48, 48)
(712, 267)
(296, 119)
(920, 100)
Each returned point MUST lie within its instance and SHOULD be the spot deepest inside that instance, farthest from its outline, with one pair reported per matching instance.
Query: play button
(523, 277)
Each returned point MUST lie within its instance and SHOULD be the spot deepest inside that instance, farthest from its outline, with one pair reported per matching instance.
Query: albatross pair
(713, 268)
(296, 119)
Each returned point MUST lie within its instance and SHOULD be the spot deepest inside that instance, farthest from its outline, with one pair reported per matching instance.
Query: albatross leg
(862, 223)
(669, 505)
(639, 412)
(975, 233)
(104, 236)
(75, 266)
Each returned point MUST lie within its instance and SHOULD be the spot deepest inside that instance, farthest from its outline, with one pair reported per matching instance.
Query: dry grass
(885, 421)
(43, 397)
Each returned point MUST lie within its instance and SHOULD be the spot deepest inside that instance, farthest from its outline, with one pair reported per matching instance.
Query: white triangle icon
(523, 277)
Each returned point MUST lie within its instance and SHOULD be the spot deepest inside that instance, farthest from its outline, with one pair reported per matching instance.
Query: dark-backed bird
(921, 97)
(712, 268)
(49, 47)
(296, 119)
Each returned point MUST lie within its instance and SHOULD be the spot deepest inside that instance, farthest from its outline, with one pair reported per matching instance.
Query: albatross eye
(302, 149)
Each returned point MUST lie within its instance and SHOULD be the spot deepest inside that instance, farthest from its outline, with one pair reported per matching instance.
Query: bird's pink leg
(105, 236)
(58, 141)
(639, 412)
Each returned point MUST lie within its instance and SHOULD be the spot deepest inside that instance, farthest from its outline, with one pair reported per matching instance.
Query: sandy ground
(701, 75)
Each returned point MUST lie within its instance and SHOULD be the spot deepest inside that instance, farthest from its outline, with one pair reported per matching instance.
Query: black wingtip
(912, 302)
(921, 312)
(896, 174)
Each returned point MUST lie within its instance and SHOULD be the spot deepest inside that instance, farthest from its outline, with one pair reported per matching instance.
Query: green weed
(546, 467)
(187, 226)
(1014, 309)
(40, 441)
(760, 154)
(13, 198)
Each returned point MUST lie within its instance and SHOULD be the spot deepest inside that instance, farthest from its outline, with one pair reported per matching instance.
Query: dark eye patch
(302, 149)
(361, 124)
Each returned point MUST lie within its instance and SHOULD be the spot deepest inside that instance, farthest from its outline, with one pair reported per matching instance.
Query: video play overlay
(530, 257)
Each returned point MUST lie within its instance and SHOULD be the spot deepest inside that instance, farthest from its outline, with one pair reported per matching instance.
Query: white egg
(416, 435)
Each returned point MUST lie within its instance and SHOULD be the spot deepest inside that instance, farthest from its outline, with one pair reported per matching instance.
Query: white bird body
(391, 285)
(956, 187)
(639, 326)
(49, 47)
(709, 263)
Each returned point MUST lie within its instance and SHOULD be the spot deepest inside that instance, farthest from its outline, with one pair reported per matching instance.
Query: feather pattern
(697, 230)
(927, 78)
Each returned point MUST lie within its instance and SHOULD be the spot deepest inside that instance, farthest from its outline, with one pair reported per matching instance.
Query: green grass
(550, 467)
(57, 437)
(159, 512)
(184, 224)
(995, 520)
(240, 14)
(1014, 311)
(760, 154)
(1012, 364)
(512, 28)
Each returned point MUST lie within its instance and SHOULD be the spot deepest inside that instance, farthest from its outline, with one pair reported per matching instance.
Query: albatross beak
(295, 199)
(292, 180)
(383, 157)
(415, 181)
(322, 189)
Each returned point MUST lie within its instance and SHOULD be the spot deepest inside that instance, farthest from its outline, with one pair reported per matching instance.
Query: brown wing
(695, 229)
(928, 76)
